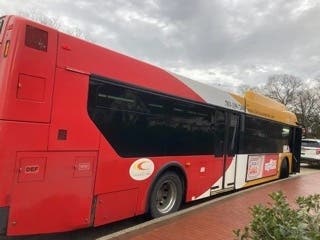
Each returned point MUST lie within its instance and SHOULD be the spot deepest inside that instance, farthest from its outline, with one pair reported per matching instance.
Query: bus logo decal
(141, 169)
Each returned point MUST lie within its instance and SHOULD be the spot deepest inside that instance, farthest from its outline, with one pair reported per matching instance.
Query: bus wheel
(284, 170)
(166, 195)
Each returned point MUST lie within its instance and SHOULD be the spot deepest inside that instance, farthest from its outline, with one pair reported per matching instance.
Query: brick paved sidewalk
(216, 221)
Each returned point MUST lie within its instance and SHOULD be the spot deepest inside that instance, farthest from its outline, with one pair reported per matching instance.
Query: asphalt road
(305, 169)
(94, 233)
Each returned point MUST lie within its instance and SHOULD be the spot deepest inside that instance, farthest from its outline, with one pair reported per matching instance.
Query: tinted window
(263, 136)
(139, 123)
(219, 130)
(233, 134)
(190, 130)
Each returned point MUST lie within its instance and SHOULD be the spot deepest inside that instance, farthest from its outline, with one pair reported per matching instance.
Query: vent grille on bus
(36, 38)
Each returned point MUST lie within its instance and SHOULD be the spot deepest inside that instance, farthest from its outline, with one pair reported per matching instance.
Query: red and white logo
(141, 169)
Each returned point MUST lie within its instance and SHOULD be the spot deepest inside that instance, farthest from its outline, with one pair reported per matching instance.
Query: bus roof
(263, 106)
(251, 103)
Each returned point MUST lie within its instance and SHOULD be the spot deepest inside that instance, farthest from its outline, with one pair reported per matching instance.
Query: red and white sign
(261, 166)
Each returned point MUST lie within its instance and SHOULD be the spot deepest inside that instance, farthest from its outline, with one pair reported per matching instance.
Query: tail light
(317, 151)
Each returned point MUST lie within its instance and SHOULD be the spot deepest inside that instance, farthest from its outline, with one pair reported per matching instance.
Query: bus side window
(242, 144)
(220, 129)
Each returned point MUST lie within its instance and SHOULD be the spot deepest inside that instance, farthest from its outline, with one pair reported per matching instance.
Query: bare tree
(53, 22)
(245, 87)
(307, 109)
(41, 18)
(300, 98)
(283, 88)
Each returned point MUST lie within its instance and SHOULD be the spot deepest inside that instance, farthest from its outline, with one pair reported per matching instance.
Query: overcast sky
(226, 42)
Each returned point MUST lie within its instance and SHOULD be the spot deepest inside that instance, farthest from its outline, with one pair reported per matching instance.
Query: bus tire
(166, 195)
(284, 170)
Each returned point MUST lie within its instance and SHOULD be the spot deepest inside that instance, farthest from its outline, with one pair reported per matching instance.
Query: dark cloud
(221, 42)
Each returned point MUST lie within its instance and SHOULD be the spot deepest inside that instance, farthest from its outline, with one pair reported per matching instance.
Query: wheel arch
(174, 167)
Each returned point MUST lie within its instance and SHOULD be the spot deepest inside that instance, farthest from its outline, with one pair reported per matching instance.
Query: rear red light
(317, 151)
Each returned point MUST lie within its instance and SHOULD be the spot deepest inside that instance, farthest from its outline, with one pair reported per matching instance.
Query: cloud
(225, 43)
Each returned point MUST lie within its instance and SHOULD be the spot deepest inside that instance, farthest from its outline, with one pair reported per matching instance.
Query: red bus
(90, 136)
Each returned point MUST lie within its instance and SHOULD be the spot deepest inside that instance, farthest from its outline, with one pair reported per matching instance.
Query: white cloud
(302, 7)
(225, 43)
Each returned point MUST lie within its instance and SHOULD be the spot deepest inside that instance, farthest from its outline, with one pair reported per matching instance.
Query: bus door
(231, 149)
(226, 127)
